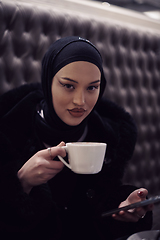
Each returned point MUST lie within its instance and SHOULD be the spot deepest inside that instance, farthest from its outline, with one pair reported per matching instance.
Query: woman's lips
(77, 112)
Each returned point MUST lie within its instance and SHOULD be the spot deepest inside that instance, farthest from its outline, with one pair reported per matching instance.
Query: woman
(40, 197)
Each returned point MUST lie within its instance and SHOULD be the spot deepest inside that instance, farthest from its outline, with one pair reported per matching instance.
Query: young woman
(41, 198)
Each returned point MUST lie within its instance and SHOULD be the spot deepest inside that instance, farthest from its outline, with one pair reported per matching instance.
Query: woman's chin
(74, 121)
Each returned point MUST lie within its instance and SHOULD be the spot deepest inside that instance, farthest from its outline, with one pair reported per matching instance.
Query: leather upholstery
(131, 66)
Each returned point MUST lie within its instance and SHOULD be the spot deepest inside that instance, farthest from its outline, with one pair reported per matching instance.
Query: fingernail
(140, 193)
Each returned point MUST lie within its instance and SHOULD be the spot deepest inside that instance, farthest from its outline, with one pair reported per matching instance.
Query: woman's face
(75, 90)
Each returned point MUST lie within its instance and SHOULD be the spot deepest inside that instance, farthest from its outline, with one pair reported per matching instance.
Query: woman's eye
(68, 86)
(92, 88)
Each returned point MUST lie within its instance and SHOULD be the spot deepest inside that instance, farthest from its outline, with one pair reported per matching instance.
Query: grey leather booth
(131, 64)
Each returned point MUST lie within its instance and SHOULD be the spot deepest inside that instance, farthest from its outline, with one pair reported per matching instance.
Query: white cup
(85, 157)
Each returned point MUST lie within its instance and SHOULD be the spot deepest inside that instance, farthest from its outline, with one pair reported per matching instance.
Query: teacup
(85, 157)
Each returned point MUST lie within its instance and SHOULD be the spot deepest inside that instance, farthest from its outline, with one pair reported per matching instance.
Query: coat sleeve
(20, 212)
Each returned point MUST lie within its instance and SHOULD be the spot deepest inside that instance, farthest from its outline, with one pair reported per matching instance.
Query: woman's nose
(79, 98)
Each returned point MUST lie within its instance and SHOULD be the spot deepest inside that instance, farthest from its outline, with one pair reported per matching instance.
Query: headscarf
(62, 52)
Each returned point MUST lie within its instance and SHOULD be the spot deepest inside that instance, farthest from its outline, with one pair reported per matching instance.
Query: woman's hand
(133, 215)
(41, 167)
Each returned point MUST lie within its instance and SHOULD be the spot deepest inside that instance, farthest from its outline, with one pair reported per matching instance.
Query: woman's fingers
(61, 144)
(137, 195)
(142, 193)
(135, 214)
(41, 167)
(51, 152)
(55, 151)
(54, 165)
(127, 216)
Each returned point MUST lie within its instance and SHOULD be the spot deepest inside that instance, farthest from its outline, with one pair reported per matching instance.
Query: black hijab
(51, 129)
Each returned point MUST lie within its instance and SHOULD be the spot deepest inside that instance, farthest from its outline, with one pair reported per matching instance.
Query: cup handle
(62, 160)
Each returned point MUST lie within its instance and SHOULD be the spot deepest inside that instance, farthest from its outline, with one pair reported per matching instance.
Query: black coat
(69, 206)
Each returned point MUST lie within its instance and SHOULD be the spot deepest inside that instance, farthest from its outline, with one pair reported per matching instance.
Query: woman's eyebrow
(95, 81)
(71, 80)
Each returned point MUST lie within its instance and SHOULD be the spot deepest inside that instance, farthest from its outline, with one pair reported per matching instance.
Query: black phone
(146, 202)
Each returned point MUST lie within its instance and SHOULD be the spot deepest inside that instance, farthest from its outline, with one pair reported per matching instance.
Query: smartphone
(146, 202)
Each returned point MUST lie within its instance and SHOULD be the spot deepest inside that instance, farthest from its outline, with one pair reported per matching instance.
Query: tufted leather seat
(131, 65)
